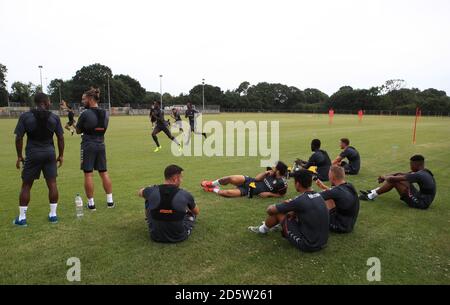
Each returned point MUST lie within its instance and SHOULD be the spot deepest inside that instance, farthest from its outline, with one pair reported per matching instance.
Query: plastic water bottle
(79, 206)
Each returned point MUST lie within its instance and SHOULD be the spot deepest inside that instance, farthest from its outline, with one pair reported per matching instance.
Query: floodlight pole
(60, 97)
(40, 74)
(109, 96)
(203, 94)
(160, 91)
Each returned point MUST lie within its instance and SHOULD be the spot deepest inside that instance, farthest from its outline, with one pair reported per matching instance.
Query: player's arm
(195, 211)
(61, 145)
(260, 177)
(321, 185)
(79, 125)
(270, 195)
(141, 192)
(395, 179)
(19, 148)
(338, 160)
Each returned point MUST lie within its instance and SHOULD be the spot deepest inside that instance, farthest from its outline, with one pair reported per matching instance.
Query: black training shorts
(93, 157)
(291, 231)
(414, 199)
(37, 162)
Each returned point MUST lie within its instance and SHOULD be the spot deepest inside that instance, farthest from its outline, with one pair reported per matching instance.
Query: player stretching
(404, 184)
(191, 114)
(271, 183)
(39, 125)
(161, 125)
(93, 123)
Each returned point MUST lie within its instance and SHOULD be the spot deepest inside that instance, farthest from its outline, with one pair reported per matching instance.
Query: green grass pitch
(114, 245)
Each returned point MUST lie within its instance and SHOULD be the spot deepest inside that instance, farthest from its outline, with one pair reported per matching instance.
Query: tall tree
(3, 89)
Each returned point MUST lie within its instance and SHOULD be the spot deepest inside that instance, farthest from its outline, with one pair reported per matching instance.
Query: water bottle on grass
(79, 206)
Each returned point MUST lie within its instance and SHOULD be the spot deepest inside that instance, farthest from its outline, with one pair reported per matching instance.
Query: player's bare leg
(107, 186)
(89, 189)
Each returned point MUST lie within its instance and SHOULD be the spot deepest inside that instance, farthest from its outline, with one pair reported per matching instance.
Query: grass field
(114, 246)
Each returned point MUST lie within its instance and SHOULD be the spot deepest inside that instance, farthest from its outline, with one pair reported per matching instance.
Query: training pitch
(114, 247)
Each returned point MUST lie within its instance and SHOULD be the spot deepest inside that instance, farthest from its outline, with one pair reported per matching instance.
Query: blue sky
(323, 44)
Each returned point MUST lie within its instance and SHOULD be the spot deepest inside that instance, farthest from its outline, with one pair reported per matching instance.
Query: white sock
(91, 202)
(216, 182)
(53, 207)
(373, 194)
(263, 228)
(109, 198)
(216, 190)
(23, 213)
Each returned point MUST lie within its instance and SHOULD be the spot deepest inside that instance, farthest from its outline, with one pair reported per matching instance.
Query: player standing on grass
(191, 114)
(354, 160)
(93, 123)
(304, 220)
(420, 198)
(161, 125)
(39, 125)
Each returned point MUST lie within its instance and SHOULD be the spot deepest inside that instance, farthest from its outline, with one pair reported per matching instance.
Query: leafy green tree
(3, 89)
(23, 93)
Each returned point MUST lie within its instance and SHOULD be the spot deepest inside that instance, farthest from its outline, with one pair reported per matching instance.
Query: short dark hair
(417, 158)
(40, 98)
(282, 168)
(345, 141)
(171, 171)
(316, 143)
(304, 177)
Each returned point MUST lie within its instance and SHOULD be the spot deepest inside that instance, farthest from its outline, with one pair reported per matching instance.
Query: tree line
(127, 91)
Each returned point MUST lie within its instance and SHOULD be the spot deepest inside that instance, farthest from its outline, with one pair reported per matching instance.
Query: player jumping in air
(93, 123)
(191, 114)
(39, 125)
(161, 125)
(404, 184)
(271, 183)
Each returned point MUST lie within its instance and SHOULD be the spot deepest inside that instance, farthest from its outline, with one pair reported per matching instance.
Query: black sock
(156, 140)
(204, 134)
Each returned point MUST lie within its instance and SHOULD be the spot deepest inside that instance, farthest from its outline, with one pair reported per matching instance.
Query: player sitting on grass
(342, 201)
(170, 211)
(271, 183)
(354, 161)
(304, 220)
(404, 184)
(39, 125)
(319, 158)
